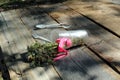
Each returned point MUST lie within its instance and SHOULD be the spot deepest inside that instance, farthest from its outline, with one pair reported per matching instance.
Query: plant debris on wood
(43, 54)
(40, 54)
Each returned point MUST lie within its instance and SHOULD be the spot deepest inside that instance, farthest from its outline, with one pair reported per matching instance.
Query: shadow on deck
(21, 4)
(80, 63)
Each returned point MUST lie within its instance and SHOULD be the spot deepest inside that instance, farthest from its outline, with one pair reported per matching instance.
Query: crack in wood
(3, 67)
(104, 60)
(102, 26)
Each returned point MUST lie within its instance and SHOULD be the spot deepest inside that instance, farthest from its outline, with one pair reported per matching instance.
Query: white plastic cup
(74, 34)
(77, 36)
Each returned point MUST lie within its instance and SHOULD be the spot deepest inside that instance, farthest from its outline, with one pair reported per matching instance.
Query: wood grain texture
(36, 16)
(80, 65)
(45, 73)
(19, 39)
(6, 48)
(105, 13)
(97, 35)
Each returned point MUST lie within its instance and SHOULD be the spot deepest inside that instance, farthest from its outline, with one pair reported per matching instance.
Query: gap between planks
(104, 15)
(18, 50)
(31, 28)
(57, 16)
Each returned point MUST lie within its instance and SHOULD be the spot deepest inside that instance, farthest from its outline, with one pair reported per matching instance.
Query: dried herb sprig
(77, 41)
(39, 54)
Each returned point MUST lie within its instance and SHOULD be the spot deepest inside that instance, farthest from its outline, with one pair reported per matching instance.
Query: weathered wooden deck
(98, 60)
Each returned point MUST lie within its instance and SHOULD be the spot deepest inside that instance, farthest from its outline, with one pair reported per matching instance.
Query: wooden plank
(16, 51)
(81, 64)
(97, 35)
(16, 40)
(2, 38)
(15, 34)
(35, 17)
(4, 74)
(104, 13)
(46, 72)
(39, 17)
(23, 28)
(7, 39)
